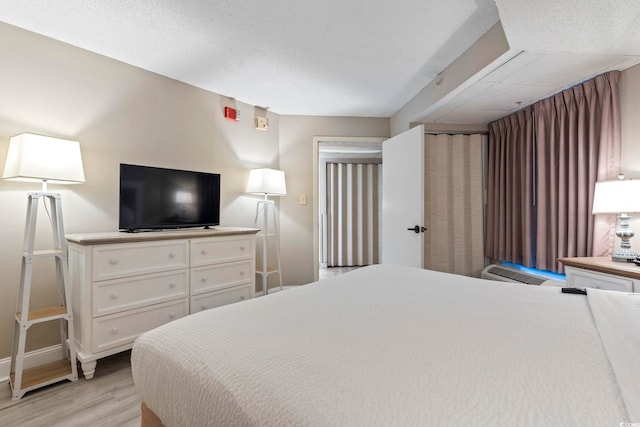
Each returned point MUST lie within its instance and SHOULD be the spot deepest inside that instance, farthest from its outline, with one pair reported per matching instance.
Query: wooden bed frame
(148, 417)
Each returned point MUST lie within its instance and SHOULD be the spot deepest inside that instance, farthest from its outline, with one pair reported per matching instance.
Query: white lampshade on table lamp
(267, 182)
(620, 197)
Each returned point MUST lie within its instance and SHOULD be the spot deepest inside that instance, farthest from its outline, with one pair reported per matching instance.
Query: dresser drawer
(219, 276)
(112, 296)
(587, 279)
(221, 249)
(123, 328)
(132, 259)
(219, 298)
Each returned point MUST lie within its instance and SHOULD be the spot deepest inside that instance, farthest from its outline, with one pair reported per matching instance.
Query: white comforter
(398, 346)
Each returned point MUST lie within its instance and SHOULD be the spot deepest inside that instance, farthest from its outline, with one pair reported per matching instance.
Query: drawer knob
(203, 280)
(242, 298)
(172, 255)
(242, 248)
(204, 307)
(172, 316)
(172, 285)
(113, 296)
(242, 273)
(204, 252)
(114, 331)
(113, 261)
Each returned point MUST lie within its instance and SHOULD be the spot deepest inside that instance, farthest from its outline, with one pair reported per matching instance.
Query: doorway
(353, 151)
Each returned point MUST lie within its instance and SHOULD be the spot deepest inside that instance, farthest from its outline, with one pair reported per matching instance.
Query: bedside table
(601, 273)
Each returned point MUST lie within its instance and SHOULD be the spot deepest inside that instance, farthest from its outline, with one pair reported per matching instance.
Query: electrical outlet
(302, 199)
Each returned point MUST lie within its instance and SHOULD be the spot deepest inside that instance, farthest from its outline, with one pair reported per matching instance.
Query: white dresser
(124, 284)
(601, 273)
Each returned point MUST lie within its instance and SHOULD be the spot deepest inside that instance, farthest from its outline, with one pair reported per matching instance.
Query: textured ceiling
(552, 45)
(586, 27)
(328, 57)
(353, 57)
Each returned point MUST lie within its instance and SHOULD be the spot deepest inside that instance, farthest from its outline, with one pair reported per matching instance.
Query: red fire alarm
(231, 114)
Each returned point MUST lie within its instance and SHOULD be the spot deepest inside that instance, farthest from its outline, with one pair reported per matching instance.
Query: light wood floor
(109, 399)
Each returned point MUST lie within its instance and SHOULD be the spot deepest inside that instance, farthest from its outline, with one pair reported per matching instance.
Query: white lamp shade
(36, 158)
(617, 196)
(265, 181)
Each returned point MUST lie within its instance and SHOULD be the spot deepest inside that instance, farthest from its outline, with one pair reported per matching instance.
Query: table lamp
(621, 197)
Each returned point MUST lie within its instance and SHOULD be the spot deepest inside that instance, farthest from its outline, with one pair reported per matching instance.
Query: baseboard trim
(31, 359)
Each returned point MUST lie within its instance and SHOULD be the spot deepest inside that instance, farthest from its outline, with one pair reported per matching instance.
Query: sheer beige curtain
(543, 165)
(353, 211)
(453, 204)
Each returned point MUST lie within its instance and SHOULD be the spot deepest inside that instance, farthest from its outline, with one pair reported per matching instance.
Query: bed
(398, 346)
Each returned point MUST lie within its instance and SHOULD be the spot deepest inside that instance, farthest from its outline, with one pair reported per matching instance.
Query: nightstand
(601, 273)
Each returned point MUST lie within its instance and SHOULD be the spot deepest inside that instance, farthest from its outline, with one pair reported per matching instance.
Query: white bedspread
(388, 346)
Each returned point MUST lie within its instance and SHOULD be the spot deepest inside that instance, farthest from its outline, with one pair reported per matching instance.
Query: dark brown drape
(510, 212)
(574, 140)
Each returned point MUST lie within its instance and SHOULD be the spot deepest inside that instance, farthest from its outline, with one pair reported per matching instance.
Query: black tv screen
(156, 198)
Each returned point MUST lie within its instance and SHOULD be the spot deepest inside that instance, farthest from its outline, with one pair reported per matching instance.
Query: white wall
(119, 113)
(296, 159)
(488, 52)
(630, 112)
(123, 114)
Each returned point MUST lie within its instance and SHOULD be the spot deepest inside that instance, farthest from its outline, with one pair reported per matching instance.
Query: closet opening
(347, 203)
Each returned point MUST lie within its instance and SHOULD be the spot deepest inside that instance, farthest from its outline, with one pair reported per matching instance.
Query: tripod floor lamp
(43, 159)
(267, 182)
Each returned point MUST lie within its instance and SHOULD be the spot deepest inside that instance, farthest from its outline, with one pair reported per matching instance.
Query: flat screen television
(157, 198)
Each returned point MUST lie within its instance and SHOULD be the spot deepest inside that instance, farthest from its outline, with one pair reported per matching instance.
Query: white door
(402, 198)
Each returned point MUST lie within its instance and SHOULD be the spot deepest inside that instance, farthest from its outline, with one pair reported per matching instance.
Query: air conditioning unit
(506, 274)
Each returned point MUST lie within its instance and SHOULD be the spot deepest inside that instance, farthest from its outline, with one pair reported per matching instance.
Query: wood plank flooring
(109, 399)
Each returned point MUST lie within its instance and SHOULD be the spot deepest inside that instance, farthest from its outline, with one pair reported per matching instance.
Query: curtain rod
(433, 132)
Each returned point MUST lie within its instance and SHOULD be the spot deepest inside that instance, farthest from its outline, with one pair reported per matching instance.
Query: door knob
(417, 229)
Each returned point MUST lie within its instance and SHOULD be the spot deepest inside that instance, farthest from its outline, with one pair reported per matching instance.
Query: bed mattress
(387, 345)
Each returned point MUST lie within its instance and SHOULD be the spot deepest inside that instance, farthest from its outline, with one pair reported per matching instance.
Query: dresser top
(147, 236)
(603, 265)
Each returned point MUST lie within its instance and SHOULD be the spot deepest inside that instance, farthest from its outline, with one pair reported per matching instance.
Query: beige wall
(296, 159)
(119, 113)
(490, 51)
(122, 114)
(630, 112)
